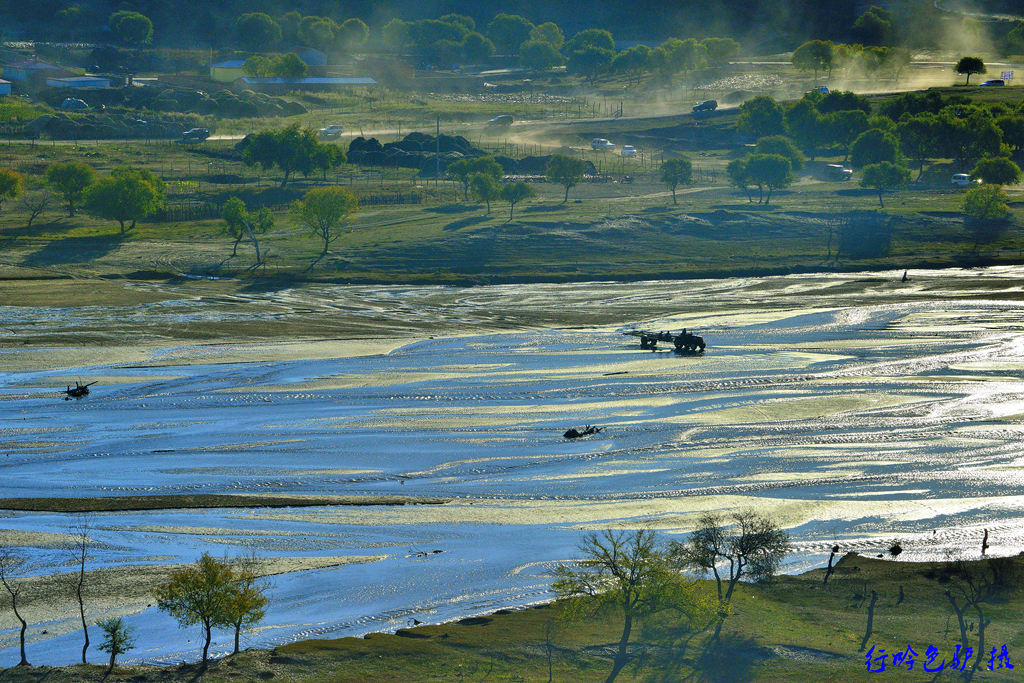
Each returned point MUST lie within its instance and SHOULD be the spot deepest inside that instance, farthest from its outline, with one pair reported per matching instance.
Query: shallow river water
(855, 408)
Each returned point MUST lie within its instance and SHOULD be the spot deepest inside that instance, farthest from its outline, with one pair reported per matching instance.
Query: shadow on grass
(75, 250)
(854, 192)
(729, 658)
(466, 222)
(39, 229)
(539, 208)
(453, 208)
(745, 206)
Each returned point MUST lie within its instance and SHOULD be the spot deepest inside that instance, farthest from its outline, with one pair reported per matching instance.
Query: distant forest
(758, 24)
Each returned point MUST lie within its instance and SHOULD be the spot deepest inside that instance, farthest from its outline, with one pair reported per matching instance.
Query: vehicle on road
(73, 104)
(195, 135)
(628, 151)
(994, 81)
(706, 105)
(331, 132)
(837, 172)
(501, 121)
(601, 144)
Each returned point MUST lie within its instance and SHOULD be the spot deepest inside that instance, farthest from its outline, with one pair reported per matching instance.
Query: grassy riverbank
(796, 629)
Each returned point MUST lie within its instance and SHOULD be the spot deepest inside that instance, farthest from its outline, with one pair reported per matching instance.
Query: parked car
(963, 180)
(501, 121)
(706, 105)
(601, 144)
(195, 135)
(628, 151)
(331, 132)
(73, 104)
(837, 172)
(995, 81)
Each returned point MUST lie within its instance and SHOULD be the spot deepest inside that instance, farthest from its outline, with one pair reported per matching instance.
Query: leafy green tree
(844, 127)
(736, 170)
(814, 55)
(317, 31)
(720, 50)
(917, 139)
(967, 138)
(986, 203)
(463, 169)
(240, 224)
(806, 126)
(508, 32)
(566, 171)
(628, 573)
(1012, 128)
(290, 23)
(969, 66)
(259, 66)
(676, 172)
(841, 100)
(476, 47)
(325, 211)
(873, 146)
(769, 170)
(513, 193)
(675, 56)
(486, 188)
(591, 37)
(633, 62)
(128, 194)
(997, 171)
(874, 27)
(760, 117)
(288, 65)
(589, 62)
(117, 639)
(243, 608)
(780, 144)
(397, 35)
(549, 33)
(352, 34)
(197, 594)
(11, 185)
(131, 28)
(884, 176)
(257, 31)
(538, 55)
(290, 149)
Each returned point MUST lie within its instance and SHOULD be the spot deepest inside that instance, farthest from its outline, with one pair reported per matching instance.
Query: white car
(963, 180)
(332, 132)
(628, 151)
(601, 144)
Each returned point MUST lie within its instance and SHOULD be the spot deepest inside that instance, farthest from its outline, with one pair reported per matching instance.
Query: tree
(873, 146)
(538, 55)
(324, 211)
(462, 169)
(290, 149)
(80, 555)
(288, 65)
(549, 33)
(34, 206)
(874, 27)
(589, 62)
(290, 23)
(468, 22)
(508, 32)
(814, 55)
(917, 139)
(968, 66)
(754, 547)
(128, 194)
(769, 170)
(11, 185)
(70, 179)
(780, 144)
(257, 31)
(317, 31)
(626, 571)
(806, 126)
(1012, 128)
(884, 176)
(245, 602)
(197, 594)
(760, 117)
(566, 171)
(240, 224)
(720, 50)
(131, 28)
(485, 187)
(997, 171)
(986, 203)
(738, 176)
(117, 639)
(396, 34)
(633, 61)
(513, 193)
(9, 566)
(352, 34)
(844, 127)
(476, 47)
(591, 37)
(258, 66)
(676, 172)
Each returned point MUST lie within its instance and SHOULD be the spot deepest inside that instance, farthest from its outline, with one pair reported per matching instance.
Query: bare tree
(80, 553)
(626, 570)
(34, 205)
(10, 565)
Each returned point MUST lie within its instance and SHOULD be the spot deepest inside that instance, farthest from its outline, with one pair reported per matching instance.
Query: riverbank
(796, 629)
